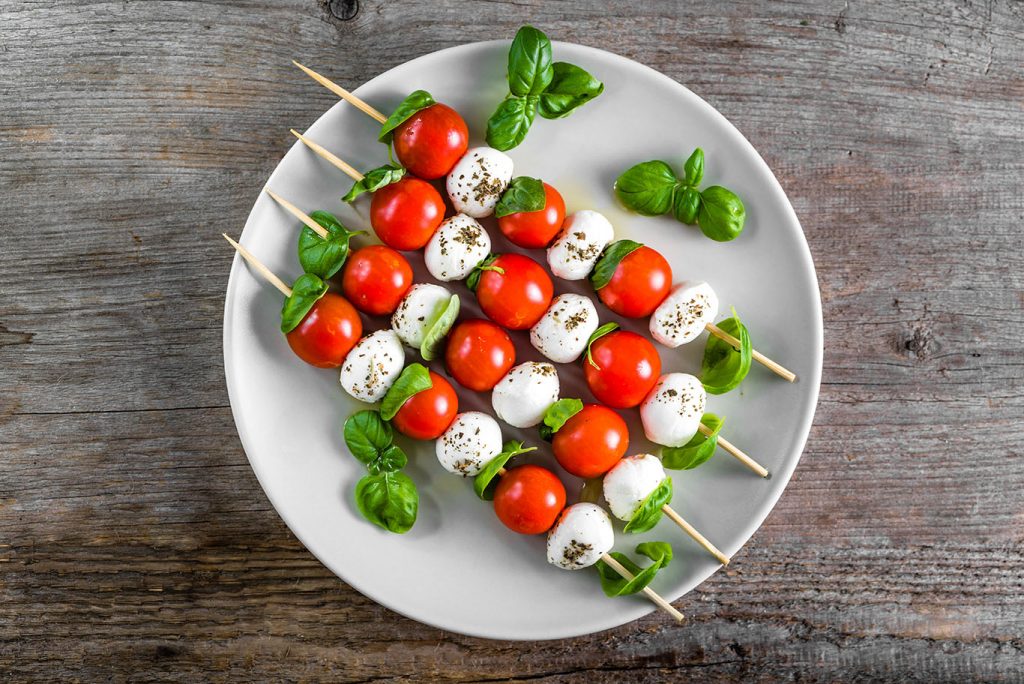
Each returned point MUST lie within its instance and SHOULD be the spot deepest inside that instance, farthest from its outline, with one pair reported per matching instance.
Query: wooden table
(135, 542)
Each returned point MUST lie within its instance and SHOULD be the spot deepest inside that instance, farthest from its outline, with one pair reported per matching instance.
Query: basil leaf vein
(722, 214)
(388, 499)
(649, 512)
(306, 290)
(570, 87)
(523, 194)
(511, 121)
(324, 257)
(529, 62)
(414, 102)
(647, 187)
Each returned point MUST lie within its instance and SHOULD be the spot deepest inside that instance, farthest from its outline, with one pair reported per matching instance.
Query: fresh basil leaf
(615, 584)
(324, 257)
(414, 379)
(724, 367)
(374, 180)
(529, 62)
(570, 88)
(686, 205)
(440, 323)
(647, 188)
(391, 460)
(417, 100)
(649, 513)
(613, 255)
(388, 499)
(597, 334)
(306, 290)
(557, 415)
(367, 435)
(722, 214)
(698, 450)
(523, 194)
(693, 169)
(485, 265)
(483, 483)
(511, 121)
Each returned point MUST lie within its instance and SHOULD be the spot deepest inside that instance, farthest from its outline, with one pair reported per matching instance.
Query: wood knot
(345, 10)
(918, 343)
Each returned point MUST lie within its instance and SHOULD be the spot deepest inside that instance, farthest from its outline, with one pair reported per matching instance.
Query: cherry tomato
(327, 333)
(639, 285)
(591, 442)
(426, 414)
(406, 213)
(479, 354)
(375, 279)
(528, 499)
(535, 229)
(515, 292)
(430, 141)
(628, 366)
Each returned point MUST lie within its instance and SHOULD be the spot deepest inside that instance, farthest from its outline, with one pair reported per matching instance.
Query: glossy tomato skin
(591, 442)
(479, 353)
(328, 332)
(406, 213)
(516, 296)
(375, 279)
(528, 499)
(427, 414)
(640, 283)
(535, 229)
(430, 141)
(628, 367)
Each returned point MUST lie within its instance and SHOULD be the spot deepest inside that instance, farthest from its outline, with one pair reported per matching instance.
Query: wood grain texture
(135, 543)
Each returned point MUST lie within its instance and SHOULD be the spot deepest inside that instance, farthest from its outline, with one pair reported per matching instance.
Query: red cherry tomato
(375, 279)
(426, 414)
(628, 366)
(515, 292)
(479, 353)
(591, 442)
(535, 229)
(639, 285)
(528, 499)
(327, 333)
(430, 141)
(406, 213)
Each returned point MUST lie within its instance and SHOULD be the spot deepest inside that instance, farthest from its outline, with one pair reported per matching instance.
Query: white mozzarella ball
(577, 248)
(477, 181)
(581, 535)
(459, 244)
(684, 313)
(373, 365)
(672, 410)
(525, 393)
(631, 481)
(416, 311)
(467, 445)
(562, 332)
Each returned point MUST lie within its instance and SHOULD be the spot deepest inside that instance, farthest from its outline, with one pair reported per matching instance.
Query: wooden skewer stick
(299, 214)
(697, 536)
(774, 367)
(651, 594)
(330, 156)
(343, 94)
(258, 265)
(733, 450)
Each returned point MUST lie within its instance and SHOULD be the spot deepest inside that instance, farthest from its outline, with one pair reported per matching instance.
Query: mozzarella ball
(684, 313)
(577, 248)
(373, 365)
(581, 535)
(525, 393)
(467, 445)
(672, 410)
(630, 482)
(562, 332)
(459, 244)
(417, 310)
(477, 181)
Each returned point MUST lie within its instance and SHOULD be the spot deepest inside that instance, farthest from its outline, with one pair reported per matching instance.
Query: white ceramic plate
(459, 569)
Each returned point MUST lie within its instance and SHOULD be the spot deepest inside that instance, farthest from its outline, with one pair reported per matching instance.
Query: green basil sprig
(374, 180)
(615, 584)
(604, 269)
(595, 336)
(649, 513)
(386, 497)
(557, 415)
(324, 257)
(369, 438)
(486, 264)
(441, 322)
(306, 290)
(417, 100)
(414, 379)
(723, 366)
(652, 188)
(483, 483)
(523, 194)
(536, 84)
(698, 450)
